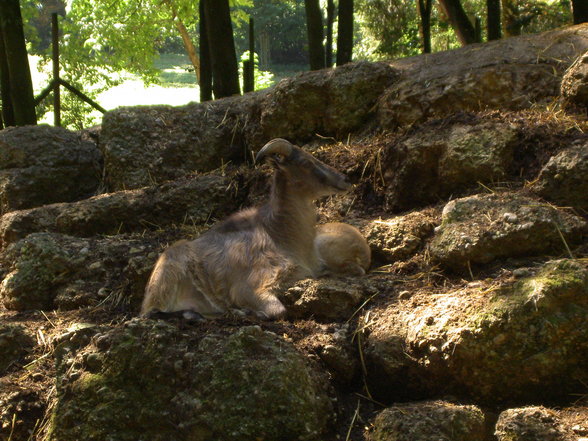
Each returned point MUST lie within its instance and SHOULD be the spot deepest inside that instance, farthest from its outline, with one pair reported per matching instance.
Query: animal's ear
(277, 148)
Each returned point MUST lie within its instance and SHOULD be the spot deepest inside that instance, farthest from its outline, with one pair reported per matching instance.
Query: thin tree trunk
(466, 34)
(19, 73)
(189, 46)
(205, 68)
(493, 21)
(345, 32)
(314, 28)
(580, 11)
(330, 20)
(424, 9)
(7, 110)
(225, 70)
(510, 18)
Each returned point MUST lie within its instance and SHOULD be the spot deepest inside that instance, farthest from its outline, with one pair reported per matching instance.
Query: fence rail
(56, 82)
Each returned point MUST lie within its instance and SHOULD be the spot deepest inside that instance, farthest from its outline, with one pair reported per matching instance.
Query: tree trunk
(461, 24)
(580, 10)
(424, 9)
(493, 21)
(510, 18)
(19, 73)
(7, 111)
(225, 70)
(314, 28)
(330, 20)
(345, 32)
(205, 69)
(189, 46)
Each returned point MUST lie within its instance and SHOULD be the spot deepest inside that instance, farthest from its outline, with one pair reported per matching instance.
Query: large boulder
(512, 73)
(144, 146)
(191, 201)
(42, 164)
(431, 420)
(534, 423)
(495, 341)
(564, 179)
(330, 102)
(438, 159)
(574, 85)
(50, 270)
(481, 228)
(151, 380)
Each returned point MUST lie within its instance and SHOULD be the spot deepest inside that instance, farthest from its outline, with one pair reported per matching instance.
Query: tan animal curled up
(238, 262)
(342, 249)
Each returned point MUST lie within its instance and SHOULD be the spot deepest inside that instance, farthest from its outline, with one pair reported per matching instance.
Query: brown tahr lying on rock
(342, 249)
(238, 262)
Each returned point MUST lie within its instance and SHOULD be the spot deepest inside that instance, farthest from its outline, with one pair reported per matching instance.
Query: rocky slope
(470, 186)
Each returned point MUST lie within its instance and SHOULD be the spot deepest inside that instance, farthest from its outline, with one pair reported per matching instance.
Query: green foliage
(263, 79)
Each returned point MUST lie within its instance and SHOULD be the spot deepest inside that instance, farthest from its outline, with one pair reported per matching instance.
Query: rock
(50, 270)
(339, 355)
(324, 299)
(574, 84)
(154, 381)
(530, 424)
(481, 228)
(399, 238)
(191, 201)
(21, 410)
(434, 162)
(147, 145)
(429, 420)
(511, 73)
(330, 102)
(531, 331)
(15, 342)
(41, 165)
(564, 179)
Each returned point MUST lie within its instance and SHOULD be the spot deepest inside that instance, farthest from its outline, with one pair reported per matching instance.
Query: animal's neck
(292, 222)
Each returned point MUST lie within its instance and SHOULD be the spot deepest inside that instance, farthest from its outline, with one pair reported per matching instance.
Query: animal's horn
(275, 146)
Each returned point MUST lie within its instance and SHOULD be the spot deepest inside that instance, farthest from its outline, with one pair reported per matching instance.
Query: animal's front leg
(263, 304)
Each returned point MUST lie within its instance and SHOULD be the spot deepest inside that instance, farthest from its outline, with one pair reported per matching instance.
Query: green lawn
(177, 87)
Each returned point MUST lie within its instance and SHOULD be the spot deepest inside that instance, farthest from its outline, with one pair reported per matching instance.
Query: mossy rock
(481, 228)
(533, 332)
(14, 344)
(530, 424)
(150, 380)
(50, 270)
(433, 420)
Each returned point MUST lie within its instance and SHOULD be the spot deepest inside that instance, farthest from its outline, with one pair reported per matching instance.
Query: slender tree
(225, 70)
(424, 9)
(330, 20)
(17, 64)
(463, 27)
(314, 29)
(493, 19)
(345, 32)
(580, 10)
(205, 68)
(511, 23)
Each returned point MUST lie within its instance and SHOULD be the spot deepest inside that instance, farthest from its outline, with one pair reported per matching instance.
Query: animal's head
(303, 172)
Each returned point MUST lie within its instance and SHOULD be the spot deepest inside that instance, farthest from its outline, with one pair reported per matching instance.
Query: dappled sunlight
(134, 92)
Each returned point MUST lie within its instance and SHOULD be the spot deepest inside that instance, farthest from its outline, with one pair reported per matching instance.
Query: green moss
(157, 383)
